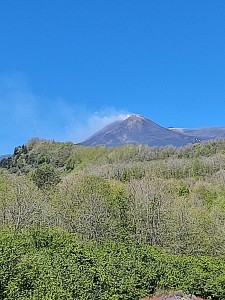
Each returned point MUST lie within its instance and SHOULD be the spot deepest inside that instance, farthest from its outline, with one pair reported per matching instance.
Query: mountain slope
(4, 156)
(202, 133)
(138, 130)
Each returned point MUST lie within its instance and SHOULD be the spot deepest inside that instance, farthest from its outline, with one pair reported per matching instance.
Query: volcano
(136, 129)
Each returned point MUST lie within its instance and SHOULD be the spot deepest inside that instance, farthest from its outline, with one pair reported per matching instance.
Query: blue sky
(69, 67)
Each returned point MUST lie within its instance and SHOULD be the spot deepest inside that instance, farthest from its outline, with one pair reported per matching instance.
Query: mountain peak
(135, 117)
(135, 120)
(136, 129)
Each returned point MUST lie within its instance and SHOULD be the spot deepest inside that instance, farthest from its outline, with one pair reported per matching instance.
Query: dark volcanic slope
(138, 130)
(203, 133)
(4, 156)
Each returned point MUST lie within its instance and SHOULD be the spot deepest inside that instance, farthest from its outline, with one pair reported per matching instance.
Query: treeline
(131, 196)
(67, 156)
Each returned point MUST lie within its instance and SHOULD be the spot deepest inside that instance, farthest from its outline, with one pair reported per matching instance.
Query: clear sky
(68, 67)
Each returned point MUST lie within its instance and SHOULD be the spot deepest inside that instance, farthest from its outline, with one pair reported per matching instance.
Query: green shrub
(43, 264)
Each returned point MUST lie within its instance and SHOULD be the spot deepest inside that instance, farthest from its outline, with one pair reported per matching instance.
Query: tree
(45, 176)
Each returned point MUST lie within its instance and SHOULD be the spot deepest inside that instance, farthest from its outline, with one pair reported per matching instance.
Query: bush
(44, 264)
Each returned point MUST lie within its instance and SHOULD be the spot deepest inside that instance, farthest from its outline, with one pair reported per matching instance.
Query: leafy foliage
(45, 176)
(42, 264)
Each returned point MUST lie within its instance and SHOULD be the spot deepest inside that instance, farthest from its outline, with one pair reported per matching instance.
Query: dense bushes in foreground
(45, 264)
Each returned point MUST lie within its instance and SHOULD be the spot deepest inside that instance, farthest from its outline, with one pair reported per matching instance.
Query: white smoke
(93, 122)
(24, 115)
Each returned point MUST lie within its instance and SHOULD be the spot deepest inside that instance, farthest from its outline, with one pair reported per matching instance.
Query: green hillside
(120, 223)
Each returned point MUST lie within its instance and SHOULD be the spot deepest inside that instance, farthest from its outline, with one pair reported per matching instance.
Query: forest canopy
(130, 210)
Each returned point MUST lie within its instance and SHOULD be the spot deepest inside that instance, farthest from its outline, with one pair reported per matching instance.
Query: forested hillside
(120, 223)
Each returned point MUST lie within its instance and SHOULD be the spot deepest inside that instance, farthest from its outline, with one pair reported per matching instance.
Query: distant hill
(203, 133)
(138, 130)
